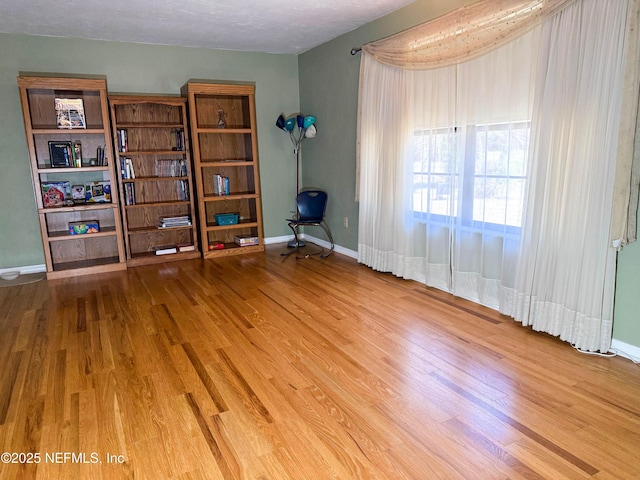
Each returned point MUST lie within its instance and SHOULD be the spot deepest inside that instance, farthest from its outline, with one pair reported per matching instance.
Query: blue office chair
(311, 206)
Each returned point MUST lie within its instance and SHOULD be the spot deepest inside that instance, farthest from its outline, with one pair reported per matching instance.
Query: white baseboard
(625, 350)
(281, 239)
(26, 269)
(318, 241)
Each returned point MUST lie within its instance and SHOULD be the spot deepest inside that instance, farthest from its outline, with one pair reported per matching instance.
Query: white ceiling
(276, 26)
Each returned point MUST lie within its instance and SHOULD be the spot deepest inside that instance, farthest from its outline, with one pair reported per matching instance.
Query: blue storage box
(226, 218)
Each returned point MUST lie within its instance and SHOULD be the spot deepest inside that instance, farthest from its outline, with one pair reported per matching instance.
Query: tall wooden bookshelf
(150, 136)
(65, 254)
(223, 136)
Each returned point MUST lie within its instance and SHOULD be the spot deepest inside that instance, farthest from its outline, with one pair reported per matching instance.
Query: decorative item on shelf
(98, 192)
(70, 113)
(56, 194)
(216, 245)
(83, 228)
(77, 154)
(222, 123)
(306, 129)
(226, 218)
(78, 194)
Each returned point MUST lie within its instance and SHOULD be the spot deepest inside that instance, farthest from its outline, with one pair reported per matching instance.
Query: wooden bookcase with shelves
(150, 137)
(223, 136)
(68, 255)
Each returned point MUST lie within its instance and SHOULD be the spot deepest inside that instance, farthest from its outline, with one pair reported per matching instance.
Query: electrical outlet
(346, 222)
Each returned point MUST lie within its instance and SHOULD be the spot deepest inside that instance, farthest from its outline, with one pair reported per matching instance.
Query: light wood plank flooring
(258, 367)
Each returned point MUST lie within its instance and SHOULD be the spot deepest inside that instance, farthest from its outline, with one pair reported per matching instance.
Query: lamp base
(294, 244)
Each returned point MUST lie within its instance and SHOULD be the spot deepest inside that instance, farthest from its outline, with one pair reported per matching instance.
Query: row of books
(177, 139)
(182, 192)
(129, 194)
(123, 140)
(171, 168)
(126, 168)
(164, 168)
(220, 185)
(65, 154)
(101, 156)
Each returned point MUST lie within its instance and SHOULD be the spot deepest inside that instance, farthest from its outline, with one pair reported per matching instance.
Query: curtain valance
(462, 34)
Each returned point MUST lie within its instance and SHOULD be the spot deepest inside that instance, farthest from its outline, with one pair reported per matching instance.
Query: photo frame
(60, 154)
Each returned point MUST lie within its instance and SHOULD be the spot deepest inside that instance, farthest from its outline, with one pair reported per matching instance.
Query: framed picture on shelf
(98, 192)
(60, 154)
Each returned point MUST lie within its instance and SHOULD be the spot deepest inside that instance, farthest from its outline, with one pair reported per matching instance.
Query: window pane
(432, 167)
(490, 200)
(518, 151)
(497, 152)
(515, 202)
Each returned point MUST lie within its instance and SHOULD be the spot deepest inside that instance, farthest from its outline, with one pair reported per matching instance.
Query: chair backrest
(311, 205)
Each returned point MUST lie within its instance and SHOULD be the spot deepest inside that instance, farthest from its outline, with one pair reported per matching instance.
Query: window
(477, 173)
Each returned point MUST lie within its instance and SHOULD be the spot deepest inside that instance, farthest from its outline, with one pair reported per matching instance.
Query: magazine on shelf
(70, 113)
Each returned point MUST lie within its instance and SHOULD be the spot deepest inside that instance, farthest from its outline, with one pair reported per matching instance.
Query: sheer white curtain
(566, 274)
(493, 179)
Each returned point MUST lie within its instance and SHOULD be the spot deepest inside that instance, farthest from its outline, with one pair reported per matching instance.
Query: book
(60, 154)
(70, 113)
(165, 250)
(186, 247)
(245, 240)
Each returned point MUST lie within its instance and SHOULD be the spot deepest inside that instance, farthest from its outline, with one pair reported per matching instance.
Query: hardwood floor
(255, 367)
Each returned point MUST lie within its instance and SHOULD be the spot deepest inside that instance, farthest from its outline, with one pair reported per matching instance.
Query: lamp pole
(306, 129)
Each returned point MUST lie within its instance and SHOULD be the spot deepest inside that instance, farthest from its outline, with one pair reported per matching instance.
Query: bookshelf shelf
(71, 255)
(150, 137)
(64, 235)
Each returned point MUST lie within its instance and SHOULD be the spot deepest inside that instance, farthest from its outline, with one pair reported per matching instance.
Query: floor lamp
(298, 127)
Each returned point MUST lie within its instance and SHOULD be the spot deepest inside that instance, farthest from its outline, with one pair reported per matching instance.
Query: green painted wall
(329, 90)
(136, 68)
(626, 317)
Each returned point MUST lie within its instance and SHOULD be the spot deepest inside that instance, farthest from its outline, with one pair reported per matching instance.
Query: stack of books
(173, 222)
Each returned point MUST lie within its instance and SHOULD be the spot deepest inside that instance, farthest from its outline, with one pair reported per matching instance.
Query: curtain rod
(355, 50)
